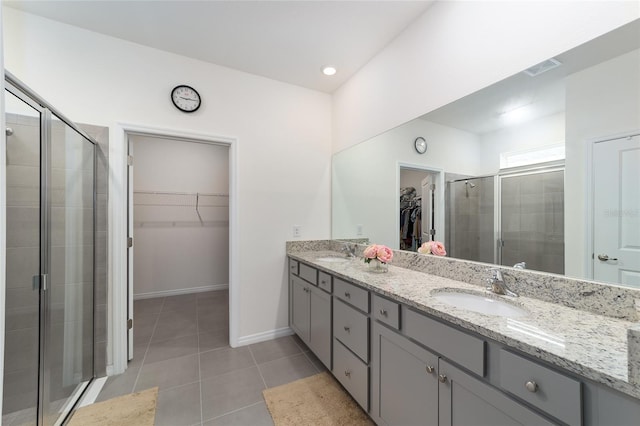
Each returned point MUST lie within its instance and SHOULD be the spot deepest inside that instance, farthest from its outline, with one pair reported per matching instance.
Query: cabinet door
(404, 381)
(320, 325)
(300, 308)
(465, 401)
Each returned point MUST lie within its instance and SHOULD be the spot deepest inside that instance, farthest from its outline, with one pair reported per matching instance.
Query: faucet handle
(496, 274)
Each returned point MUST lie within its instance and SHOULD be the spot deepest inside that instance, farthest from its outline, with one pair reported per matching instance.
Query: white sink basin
(332, 259)
(480, 304)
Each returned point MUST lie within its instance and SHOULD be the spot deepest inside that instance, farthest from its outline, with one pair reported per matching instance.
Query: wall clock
(186, 98)
(420, 145)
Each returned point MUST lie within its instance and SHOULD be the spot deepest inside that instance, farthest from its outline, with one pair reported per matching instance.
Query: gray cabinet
(465, 400)
(320, 325)
(412, 386)
(403, 379)
(300, 307)
(406, 367)
(310, 316)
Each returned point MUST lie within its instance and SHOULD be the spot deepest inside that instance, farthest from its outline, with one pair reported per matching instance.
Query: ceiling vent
(545, 66)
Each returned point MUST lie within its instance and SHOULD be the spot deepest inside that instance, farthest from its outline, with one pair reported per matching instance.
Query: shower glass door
(22, 327)
(69, 332)
(50, 258)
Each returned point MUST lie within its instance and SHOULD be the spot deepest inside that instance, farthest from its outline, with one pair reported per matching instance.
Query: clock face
(185, 98)
(421, 145)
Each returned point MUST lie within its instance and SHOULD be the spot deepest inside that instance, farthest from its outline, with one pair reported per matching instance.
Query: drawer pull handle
(347, 373)
(347, 329)
(323, 282)
(531, 386)
(430, 369)
(383, 312)
(347, 294)
(442, 378)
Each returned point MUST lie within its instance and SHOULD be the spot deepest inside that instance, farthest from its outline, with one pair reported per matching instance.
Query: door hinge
(129, 324)
(129, 242)
(129, 160)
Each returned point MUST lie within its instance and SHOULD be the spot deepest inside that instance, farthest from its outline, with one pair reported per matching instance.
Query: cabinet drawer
(459, 347)
(324, 281)
(352, 294)
(386, 311)
(352, 373)
(293, 266)
(351, 328)
(309, 274)
(552, 392)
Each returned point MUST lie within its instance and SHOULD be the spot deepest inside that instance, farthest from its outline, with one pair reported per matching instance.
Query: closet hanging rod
(195, 194)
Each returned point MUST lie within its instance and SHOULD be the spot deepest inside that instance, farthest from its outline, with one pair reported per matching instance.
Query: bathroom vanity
(410, 357)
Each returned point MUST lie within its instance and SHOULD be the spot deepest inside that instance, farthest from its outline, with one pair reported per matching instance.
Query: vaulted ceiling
(287, 41)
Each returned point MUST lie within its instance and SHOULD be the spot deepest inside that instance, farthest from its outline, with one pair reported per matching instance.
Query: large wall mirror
(540, 170)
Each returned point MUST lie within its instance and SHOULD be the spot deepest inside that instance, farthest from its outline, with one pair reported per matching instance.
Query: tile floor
(181, 345)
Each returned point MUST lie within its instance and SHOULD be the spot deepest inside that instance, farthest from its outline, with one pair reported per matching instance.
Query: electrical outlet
(297, 231)
(359, 229)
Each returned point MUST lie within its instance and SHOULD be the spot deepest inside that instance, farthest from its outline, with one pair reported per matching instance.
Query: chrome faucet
(349, 250)
(497, 284)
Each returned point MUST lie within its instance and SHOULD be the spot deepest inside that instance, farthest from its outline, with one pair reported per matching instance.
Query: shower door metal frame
(25, 94)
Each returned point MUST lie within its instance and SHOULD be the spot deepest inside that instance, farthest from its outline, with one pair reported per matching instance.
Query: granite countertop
(590, 345)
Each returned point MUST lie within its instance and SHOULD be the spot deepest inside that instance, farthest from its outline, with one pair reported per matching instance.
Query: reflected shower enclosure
(516, 217)
(49, 353)
(470, 211)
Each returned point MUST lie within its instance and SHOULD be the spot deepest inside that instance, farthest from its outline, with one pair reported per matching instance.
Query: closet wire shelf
(195, 200)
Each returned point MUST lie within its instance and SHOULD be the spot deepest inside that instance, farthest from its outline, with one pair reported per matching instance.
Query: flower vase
(378, 267)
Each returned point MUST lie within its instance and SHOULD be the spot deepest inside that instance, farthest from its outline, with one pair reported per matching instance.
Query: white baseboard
(177, 292)
(264, 336)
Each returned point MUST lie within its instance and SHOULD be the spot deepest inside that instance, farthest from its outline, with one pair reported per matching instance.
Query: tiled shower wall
(23, 254)
(470, 217)
(532, 209)
(23, 260)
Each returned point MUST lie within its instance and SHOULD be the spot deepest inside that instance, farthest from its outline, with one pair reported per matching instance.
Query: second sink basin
(481, 304)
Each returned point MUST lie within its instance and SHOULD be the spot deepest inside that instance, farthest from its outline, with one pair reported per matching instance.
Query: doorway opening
(178, 231)
(420, 206)
(200, 216)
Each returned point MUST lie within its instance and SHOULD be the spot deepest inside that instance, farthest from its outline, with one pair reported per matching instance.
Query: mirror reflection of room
(524, 183)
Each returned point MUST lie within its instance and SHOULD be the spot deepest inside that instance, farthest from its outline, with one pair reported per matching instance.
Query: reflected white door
(616, 226)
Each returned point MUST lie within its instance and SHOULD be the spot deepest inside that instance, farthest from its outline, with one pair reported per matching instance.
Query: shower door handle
(604, 257)
(39, 282)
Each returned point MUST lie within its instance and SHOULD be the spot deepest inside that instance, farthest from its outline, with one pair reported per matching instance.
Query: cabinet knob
(323, 282)
(430, 369)
(347, 329)
(347, 294)
(531, 386)
(442, 378)
(383, 312)
(347, 373)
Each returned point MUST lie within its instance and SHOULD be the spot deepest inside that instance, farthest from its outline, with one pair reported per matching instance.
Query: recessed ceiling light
(329, 70)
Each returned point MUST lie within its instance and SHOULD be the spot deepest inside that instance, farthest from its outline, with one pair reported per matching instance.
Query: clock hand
(187, 99)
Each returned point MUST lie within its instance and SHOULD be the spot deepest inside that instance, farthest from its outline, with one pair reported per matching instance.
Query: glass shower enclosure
(513, 218)
(49, 315)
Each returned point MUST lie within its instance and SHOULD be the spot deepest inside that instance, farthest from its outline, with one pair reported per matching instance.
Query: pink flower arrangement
(432, 247)
(377, 251)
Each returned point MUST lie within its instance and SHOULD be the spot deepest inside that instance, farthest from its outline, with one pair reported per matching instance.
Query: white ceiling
(481, 112)
(287, 41)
